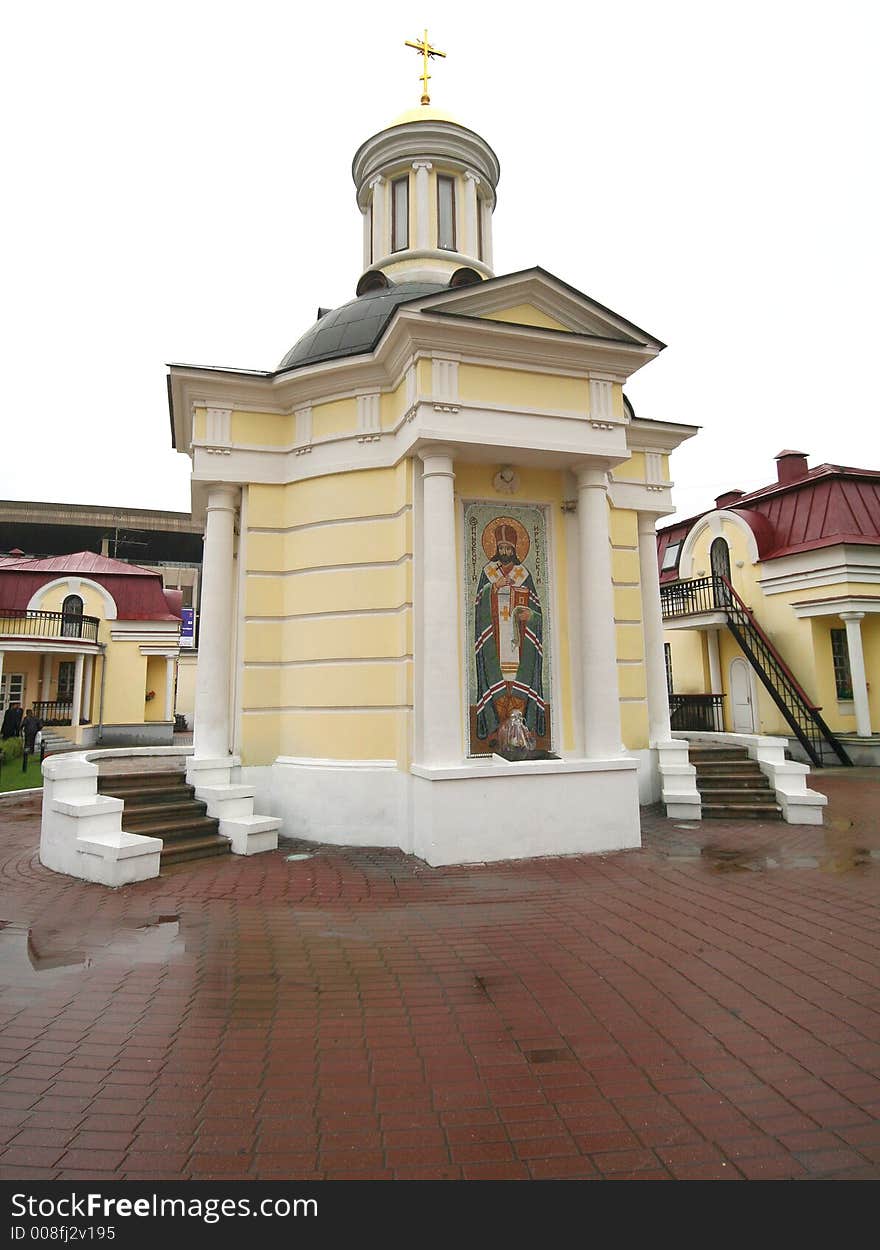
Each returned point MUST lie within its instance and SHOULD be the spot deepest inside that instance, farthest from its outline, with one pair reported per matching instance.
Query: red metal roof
(88, 562)
(137, 592)
(830, 504)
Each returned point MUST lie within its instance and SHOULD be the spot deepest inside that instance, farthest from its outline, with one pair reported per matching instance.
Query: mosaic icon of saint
(508, 633)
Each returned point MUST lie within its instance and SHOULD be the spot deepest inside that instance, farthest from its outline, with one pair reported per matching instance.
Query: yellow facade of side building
(328, 622)
(803, 642)
(129, 673)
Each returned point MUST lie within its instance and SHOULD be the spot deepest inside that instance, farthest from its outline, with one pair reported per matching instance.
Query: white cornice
(642, 496)
(437, 141)
(411, 333)
(823, 566)
(834, 607)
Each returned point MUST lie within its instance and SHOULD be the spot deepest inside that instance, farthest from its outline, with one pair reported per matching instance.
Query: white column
(598, 638)
(169, 687)
(380, 247)
(715, 680)
(853, 623)
(1, 672)
(652, 627)
(211, 715)
(76, 702)
(423, 208)
(441, 713)
(471, 207)
(86, 708)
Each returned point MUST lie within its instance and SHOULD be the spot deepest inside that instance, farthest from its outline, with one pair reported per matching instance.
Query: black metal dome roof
(355, 327)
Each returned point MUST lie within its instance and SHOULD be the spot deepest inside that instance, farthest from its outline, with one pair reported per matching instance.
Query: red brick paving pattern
(707, 1007)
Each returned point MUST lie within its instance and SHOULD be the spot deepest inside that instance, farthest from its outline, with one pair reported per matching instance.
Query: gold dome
(423, 113)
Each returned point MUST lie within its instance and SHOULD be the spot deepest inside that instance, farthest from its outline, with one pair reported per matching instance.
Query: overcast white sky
(178, 188)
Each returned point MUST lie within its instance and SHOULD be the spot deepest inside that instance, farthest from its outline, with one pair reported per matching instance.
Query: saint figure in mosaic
(508, 633)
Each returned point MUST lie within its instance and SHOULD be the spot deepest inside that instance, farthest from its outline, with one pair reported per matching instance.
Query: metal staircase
(715, 594)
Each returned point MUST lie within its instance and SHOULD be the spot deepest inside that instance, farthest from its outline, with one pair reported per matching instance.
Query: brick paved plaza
(706, 1007)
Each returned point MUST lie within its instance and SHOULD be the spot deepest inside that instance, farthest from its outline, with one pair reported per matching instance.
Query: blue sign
(188, 627)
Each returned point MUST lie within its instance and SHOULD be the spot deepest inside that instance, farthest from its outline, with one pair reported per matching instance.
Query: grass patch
(12, 778)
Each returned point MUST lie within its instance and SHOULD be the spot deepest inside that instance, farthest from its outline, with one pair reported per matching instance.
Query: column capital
(592, 477)
(472, 177)
(436, 460)
(375, 182)
(422, 165)
(647, 522)
(222, 499)
(852, 616)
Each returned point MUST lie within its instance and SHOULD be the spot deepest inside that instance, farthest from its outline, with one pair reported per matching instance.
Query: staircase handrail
(814, 707)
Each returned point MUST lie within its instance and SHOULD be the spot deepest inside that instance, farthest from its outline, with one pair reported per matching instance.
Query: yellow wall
(519, 388)
(263, 429)
(155, 681)
(126, 685)
(526, 315)
(337, 417)
(328, 618)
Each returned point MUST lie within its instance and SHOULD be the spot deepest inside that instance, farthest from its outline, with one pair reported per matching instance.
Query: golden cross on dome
(426, 50)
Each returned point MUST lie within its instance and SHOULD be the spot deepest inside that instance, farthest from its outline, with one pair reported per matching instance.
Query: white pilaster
(598, 640)
(211, 715)
(45, 677)
(169, 687)
(471, 182)
(441, 734)
(86, 708)
(853, 623)
(486, 209)
(423, 211)
(652, 626)
(714, 649)
(380, 246)
(368, 236)
(76, 703)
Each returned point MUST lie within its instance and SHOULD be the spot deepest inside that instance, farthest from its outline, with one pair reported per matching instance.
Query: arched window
(71, 617)
(719, 558)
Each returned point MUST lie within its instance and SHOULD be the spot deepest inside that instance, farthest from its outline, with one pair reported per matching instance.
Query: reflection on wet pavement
(28, 954)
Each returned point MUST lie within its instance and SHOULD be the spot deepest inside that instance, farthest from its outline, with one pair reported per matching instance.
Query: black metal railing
(54, 711)
(700, 712)
(21, 623)
(715, 594)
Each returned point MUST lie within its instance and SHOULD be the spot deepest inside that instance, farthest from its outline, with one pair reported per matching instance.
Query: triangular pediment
(538, 300)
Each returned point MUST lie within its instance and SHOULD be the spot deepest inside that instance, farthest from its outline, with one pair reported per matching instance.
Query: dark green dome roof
(355, 327)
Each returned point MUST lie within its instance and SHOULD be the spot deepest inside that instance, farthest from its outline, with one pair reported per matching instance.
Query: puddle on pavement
(727, 860)
(29, 955)
(837, 856)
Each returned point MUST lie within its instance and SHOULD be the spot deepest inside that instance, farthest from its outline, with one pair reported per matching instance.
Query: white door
(11, 690)
(741, 698)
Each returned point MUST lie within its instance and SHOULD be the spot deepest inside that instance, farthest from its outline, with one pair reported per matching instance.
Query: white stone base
(678, 778)
(233, 805)
(81, 833)
(475, 812)
(342, 802)
(800, 806)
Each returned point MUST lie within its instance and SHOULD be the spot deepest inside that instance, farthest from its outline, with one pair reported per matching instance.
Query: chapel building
(430, 598)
